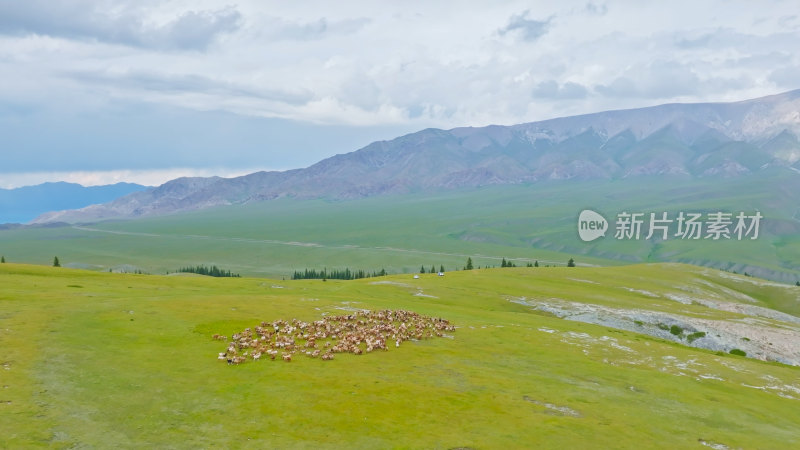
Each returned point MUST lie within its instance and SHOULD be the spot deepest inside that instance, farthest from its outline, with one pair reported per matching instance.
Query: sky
(100, 91)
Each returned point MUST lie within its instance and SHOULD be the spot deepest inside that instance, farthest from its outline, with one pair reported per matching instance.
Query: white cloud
(372, 64)
(553, 90)
(596, 9)
(525, 27)
(315, 29)
(787, 77)
(126, 25)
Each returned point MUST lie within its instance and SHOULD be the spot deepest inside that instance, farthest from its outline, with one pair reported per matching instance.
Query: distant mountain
(24, 204)
(683, 140)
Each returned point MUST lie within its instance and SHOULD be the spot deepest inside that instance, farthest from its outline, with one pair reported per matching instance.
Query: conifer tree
(55, 262)
(422, 269)
(536, 263)
(571, 263)
(441, 268)
(2, 259)
(469, 264)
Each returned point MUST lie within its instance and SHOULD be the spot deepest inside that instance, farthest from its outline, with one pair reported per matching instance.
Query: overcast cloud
(126, 87)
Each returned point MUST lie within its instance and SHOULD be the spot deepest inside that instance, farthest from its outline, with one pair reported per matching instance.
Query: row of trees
(347, 274)
(335, 274)
(509, 263)
(433, 269)
(212, 271)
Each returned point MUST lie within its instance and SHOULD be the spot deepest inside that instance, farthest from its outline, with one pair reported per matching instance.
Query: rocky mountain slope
(685, 140)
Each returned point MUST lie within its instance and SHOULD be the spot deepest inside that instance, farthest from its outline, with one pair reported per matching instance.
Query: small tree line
(433, 269)
(347, 274)
(335, 274)
(508, 263)
(212, 271)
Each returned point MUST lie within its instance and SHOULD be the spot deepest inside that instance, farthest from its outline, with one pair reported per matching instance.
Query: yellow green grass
(99, 360)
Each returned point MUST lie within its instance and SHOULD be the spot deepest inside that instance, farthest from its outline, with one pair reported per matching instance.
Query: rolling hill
(623, 357)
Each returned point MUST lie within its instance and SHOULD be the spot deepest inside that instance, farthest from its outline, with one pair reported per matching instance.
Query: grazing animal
(350, 333)
(236, 360)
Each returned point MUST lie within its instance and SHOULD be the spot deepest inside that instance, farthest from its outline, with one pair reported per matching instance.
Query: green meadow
(100, 360)
(524, 223)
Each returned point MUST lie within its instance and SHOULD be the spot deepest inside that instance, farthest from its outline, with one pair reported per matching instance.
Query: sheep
(353, 333)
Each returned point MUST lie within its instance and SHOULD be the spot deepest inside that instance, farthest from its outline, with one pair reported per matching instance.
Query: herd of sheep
(357, 333)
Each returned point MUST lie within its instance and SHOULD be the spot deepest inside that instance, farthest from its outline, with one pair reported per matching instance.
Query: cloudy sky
(98, 91)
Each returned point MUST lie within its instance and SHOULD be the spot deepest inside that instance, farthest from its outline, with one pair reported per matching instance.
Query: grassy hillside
(277, 237)
(400, 233)
(119, 360)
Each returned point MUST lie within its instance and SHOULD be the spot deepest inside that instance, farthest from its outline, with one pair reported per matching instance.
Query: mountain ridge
(22, 204)
(685, 139)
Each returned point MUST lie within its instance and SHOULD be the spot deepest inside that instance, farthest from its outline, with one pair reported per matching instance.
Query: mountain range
(23, 204)
(681, 140)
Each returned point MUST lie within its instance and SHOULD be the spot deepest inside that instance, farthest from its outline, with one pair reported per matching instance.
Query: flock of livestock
(357, 333)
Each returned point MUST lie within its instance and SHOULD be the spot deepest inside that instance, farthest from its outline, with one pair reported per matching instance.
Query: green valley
(524, 223)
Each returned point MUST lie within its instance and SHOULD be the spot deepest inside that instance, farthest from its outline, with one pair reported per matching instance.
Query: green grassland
(100, 360)
(400, 233)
